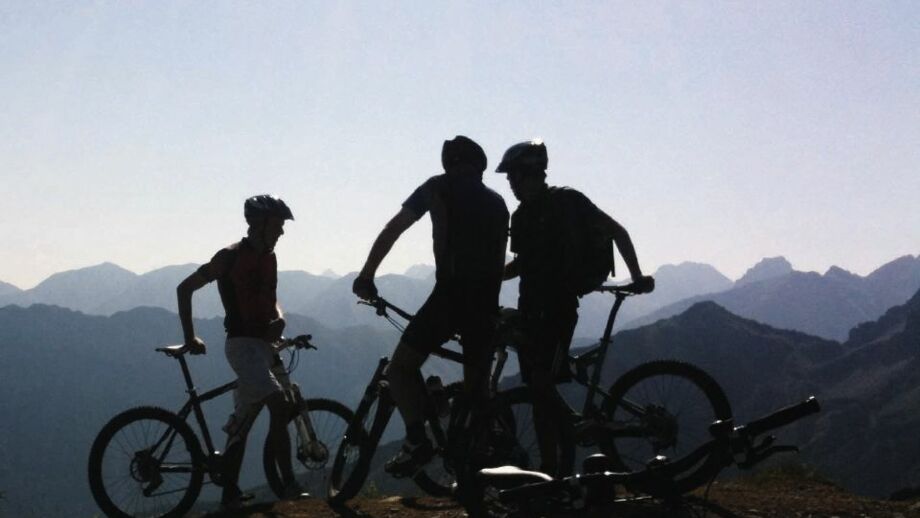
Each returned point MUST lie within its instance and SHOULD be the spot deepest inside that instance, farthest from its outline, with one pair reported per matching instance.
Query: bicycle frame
(595, 358)
(193, 404)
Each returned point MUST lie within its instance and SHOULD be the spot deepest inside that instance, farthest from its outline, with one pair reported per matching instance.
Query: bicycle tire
(123, 452)
(437, 479)
(330, 419)
(349, 472)
(654, 385)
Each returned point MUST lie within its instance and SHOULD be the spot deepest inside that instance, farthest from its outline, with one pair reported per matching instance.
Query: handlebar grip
(781, 417)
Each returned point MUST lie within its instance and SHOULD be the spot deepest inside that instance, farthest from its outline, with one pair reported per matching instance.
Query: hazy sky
(720, 132)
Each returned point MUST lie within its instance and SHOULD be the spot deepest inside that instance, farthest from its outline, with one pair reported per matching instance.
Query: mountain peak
(6, 288)
(836, 272)
(767, 268)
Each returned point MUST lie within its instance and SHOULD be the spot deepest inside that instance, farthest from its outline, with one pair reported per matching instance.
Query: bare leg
(279, 415)
(407, 386)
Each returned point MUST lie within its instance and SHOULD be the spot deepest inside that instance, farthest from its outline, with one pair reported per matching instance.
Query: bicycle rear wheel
(312, 463)
(665, 408)
(146, 462)
(506, 436)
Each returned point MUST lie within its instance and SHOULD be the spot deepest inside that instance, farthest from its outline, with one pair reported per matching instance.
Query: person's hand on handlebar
(275, 330)
(196, 346)
(364, 288)
(644, 284)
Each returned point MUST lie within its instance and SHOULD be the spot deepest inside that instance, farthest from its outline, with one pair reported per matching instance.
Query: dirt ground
(775, 498)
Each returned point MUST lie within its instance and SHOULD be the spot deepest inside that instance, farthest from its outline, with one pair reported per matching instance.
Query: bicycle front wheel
(664, 408)
(311, 460)
(146, 462)
(352, 461)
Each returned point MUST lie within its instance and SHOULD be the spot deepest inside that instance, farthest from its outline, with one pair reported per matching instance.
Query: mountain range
(827, 305)
(771, 292)
(63, 374)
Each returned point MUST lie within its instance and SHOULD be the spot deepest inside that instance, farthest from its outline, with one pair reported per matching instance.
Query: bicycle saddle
(512, 476)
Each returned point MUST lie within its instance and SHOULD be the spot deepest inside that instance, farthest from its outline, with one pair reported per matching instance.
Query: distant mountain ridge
(106, 289)
(7, 288)
(771, 292)
(826, 305)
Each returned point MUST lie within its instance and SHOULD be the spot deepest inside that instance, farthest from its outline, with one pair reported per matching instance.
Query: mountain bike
(509, 492)
(147, 461)
(460, 443)
(662, 407)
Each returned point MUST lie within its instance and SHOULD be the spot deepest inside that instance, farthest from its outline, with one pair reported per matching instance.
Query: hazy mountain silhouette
(82, 289)
(826, 305)
(327, 298)
(672, 283)
(158, 289)
(7, 289)
(420, 271)
(768, 268)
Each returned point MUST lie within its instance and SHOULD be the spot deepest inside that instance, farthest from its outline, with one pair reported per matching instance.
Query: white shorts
(251, 359)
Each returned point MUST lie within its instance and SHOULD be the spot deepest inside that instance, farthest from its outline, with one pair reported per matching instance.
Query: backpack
(589, 254)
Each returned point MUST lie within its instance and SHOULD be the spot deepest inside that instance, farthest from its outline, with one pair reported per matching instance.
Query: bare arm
(613, 230)
(184, 292)
(385, 240)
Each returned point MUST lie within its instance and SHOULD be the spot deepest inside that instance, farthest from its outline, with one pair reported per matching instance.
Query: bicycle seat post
(187, 375)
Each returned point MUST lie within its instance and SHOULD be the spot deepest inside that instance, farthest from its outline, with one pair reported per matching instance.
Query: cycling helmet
(463, 150)
(530, 155)
(266, 205)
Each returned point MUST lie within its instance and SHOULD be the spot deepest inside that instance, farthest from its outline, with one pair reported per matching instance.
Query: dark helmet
(463, 150)
(530, 155)
(266, 205)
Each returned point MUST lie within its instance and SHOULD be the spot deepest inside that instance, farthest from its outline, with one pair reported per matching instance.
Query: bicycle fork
(311, 452)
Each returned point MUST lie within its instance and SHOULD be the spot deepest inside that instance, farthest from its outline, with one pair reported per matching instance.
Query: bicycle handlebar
(382, 305)
(781, 417)
(298, 342)
(624, 289)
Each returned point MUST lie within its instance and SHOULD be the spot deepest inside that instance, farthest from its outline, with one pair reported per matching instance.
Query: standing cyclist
(550, 234)
(247, 277)
(470, 231)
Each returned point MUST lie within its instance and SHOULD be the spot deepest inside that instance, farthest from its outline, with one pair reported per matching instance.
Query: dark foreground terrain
(757, 498)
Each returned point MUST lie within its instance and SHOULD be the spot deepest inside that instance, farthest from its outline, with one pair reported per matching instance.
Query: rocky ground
(773, 497)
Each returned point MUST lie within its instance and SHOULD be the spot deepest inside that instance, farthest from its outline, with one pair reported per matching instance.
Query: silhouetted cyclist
(470, 232)
(549, 258)
(247, 277)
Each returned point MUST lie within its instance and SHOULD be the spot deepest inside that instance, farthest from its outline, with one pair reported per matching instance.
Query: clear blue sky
(716, 132)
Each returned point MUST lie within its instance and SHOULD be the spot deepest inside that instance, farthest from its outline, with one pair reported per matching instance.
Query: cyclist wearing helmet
(247, 276)
(544, 230)
(470, 233)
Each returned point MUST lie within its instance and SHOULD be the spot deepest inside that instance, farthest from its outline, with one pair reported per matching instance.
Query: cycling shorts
(467, 310)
